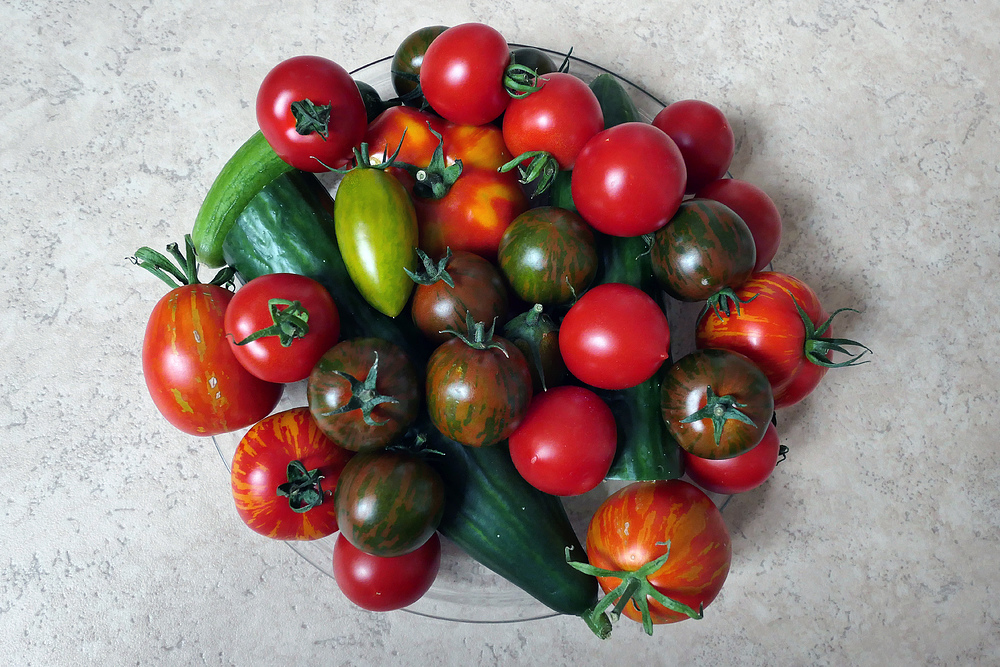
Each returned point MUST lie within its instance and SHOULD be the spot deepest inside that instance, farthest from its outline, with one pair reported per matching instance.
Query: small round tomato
(280, 324)
(378, 583)
(739, 474)
(284, 473)
(704, 138)
(614, 337)
(311, 113)
(755, 208)
(406, 61)
(566, 441)
(628, 180)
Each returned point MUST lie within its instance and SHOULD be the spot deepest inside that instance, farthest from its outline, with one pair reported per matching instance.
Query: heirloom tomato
(537, 336)
(389, 502)
(671, 540)
(784, 330)
(379, 583)
(364, 393)
(755, 208)
(740, 473)
(193, 377)
(284, 473)
(703, 136)
(311, 113)
(280, 324)
(406, 61)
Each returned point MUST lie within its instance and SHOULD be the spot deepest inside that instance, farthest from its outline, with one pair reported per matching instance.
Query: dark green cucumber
(287, 228)
(616, 104)
(253, 166)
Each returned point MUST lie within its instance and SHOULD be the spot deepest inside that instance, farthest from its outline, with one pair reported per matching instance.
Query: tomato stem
(311, 117)
(719, 409)
(723, 301)
(818, 348)
(541, 167)
(520, 80)
(364, 396)
(304, 488)
(288, 323)
(435, 180)
(433, 271)
(182, 269)
(478, 336)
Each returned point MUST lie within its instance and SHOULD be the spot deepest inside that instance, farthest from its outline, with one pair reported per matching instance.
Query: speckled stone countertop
(872, 125)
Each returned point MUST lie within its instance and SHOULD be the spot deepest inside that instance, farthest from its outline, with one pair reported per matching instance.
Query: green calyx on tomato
(478, 337)
(311, 117)
(532, 327)
(364, 396)
(635, 587)
(542, 166)
(184, 271)
(433, 271)
(435, 180)
(304, 488)
(519, 80)
(290, 322)
(724, 301)
(818, 348)
(719, 409)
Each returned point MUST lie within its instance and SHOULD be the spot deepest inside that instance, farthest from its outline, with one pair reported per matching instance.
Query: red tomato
(284, 474)
(615, 336)
(559, 119)
(629, 180)
(648, 521)
(298, 335)
(379, 583)
(311, 112)
(462, 74)
(566, 441)
(738, 474)
(704, 138)
(755, 208)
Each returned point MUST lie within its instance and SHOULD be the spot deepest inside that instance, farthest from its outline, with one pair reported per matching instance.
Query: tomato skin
(191, 373)
(704, 137)
(769, 330)
(462, 74)
(566, 442)
(559, 119)
(632, 527)
(260, 465)
(323, 82)
(738, 474)
(409, 56)
(755, 208)
(265, 357)
(629, 180)
(378, 583)
(614, 337)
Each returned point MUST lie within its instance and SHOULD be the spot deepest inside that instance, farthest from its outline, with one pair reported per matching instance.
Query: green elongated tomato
(376, 228)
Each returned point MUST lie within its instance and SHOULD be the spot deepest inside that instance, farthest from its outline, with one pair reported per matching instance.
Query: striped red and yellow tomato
(284, 473)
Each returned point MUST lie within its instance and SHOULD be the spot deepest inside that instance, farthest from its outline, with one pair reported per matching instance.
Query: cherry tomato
(629, 180)
(378, 583)
(704, 138)
(755, 208)
(740, 473)
(406, 62)
(566, 441)
(311, 113)
(290, 321)
(614, 337)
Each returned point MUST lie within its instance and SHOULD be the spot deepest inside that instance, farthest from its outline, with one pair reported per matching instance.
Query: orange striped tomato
(284, 473)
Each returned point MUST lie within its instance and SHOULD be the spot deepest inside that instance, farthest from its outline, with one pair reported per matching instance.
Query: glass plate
(466, 591)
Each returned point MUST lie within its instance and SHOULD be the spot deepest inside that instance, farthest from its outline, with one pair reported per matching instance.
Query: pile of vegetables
(478, 317)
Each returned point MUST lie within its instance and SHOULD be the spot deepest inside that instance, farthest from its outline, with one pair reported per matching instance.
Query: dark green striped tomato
(372, 407)
(376, 228)
(477, 392)
(705, 248)
(405, 66)
(548, 255)
(388, 502)
(716, 403)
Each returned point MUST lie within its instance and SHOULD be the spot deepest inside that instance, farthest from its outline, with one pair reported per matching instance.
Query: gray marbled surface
(872, 125)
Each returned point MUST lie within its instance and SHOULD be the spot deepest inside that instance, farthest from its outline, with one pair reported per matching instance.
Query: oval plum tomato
(364, 393)
(378, 583)
(704, 138)
(311, 113)
(388, 502)
(406, 61)
(784, 329)
(703, 254)
(478, 387)
(614, 337)
(566, 441)
(193, 377)
(716, 403)
(548, 255)
(284, 473)
(462, 74)
(739, 474)
(459, 283)
(755, 208)
(280, 324)
(672, 540)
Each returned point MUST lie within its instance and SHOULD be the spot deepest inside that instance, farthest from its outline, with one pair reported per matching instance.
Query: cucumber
(253, 166)
(615, 102)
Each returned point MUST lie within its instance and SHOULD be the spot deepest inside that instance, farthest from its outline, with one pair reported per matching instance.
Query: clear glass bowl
(466, 591)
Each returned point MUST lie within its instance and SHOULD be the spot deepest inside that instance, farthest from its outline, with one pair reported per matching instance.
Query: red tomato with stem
(755, 208)
(614, 337)
(280, 324)
(738, 474)
(629, 180)
(704, 137)
(380, 583)
(284, 473)
(311, 113)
